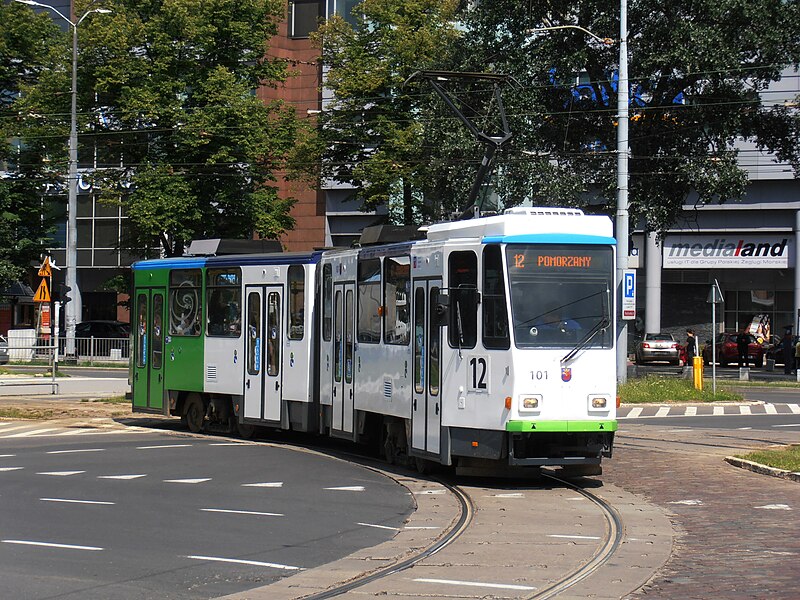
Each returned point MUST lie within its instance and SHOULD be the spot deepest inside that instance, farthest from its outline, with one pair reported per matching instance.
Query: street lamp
(622, 174)
(72, 309)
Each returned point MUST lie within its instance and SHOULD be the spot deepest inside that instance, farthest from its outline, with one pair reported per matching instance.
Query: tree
(27, 43)
(372, 134)
(697, 71)
(169, 113)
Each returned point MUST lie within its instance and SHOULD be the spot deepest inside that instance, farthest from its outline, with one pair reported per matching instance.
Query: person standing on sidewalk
(743, 345)
(797, 356)
(691, 346)
(788, 352)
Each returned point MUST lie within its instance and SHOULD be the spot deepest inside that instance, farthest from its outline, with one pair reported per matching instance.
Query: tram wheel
(423, 465)
(245, 431)
(194, 413)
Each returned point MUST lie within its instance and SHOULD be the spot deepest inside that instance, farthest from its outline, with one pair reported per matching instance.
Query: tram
(488, 344)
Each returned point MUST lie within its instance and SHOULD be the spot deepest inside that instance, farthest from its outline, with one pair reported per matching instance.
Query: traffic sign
(629, 294)
(43, 293)
(45, 271)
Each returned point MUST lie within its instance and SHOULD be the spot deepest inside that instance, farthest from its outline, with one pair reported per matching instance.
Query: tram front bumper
(558, 443)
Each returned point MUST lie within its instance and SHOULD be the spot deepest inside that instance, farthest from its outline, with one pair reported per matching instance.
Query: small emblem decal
(566, 373)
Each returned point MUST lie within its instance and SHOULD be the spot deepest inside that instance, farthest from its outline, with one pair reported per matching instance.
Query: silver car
(3, 351)
(658, 347)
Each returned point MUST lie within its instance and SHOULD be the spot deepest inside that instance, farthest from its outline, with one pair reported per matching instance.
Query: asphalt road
(96, 514)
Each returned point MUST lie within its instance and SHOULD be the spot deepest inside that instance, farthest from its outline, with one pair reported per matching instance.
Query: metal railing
(87, 350)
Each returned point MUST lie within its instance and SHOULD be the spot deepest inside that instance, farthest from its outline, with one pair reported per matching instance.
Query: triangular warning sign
(43, 293)
(44, 270)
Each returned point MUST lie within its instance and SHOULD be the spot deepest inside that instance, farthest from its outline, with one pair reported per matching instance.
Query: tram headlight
(599, 402)
(530, 402)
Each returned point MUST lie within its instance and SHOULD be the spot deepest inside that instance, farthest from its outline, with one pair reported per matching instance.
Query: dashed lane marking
(239, 561)
(163, 446)
(4, 469)
(77, 451)
(242, 512)
(379, 526)
(346, 488)
(266, 484)
(7, 455)
(574, 537)
(189, 481)
(775, 507)
(52, 545)
(61, 473)
(72, 501)
(121, 477)
(496, 586)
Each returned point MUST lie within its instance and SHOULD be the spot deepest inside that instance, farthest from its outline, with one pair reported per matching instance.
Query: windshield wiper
(601, 325)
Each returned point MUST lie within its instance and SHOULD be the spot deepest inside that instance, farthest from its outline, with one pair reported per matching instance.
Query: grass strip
(787, 458)
(663, 390)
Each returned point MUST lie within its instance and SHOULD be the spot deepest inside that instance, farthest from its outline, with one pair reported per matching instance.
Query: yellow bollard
(697, 372)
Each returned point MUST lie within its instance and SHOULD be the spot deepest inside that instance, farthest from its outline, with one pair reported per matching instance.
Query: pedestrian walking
(691, 346)
(788, 352)
(743, 345)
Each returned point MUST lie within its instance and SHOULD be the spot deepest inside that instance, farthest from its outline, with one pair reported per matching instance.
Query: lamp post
(72, 310)
(622, 233)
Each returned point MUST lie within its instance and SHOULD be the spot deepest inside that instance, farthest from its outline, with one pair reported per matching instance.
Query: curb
(762, 469)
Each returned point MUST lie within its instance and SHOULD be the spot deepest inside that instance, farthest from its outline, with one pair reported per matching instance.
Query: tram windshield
(561, 295)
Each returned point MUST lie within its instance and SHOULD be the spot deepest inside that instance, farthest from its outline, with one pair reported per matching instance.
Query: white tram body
(488, 344)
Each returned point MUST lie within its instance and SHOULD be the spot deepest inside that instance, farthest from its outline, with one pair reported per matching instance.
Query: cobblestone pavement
(738, 531)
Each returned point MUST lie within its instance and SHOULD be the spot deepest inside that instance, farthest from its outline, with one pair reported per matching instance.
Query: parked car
(774, 349)
(4, 357)
(102, 329)
(727, 345)
(658, 347)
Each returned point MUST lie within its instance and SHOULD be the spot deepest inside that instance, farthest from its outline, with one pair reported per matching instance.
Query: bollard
(697, 368)
(744, 373)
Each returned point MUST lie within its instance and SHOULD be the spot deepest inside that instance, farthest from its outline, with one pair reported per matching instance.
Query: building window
(303, 18)
(224, 306)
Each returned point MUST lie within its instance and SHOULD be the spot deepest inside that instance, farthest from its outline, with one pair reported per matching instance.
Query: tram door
(148, 346)
(343, 357)
(262, 379)
(426, 410)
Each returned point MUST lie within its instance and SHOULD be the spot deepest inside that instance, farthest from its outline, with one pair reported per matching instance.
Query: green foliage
(663, 390)
(26, 47)
(787, 458)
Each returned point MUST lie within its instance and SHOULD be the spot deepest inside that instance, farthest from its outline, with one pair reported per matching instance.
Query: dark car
(728, 350)
(774, 349)
(658, 346)
(102, 329)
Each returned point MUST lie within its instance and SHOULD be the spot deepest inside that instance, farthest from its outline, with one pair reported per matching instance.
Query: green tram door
(148, 350)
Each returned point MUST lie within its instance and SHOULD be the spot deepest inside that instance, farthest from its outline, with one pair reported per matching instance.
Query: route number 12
(479, 374)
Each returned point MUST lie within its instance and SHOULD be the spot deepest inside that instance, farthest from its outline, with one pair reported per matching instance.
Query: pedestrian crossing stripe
(654, 412)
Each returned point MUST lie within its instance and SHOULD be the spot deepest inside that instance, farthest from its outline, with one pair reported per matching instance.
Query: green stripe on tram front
(561, 426)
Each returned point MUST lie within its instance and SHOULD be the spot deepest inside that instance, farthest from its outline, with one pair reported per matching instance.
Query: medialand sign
(729, 251)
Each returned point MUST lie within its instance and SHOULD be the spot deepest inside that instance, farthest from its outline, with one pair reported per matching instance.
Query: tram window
(348, 336)
(338, 346)
(297, 299)
(463, 326)
(184, 302)
(369, 300)
(396, 286)
(254, 344)
(327, 302)
(273, 333)
(419, 340)
(141, 330)
(224, 306)
(433, 346)
(494, 305)
(157, 343)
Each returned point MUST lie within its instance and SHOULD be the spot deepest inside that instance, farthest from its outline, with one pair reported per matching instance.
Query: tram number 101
(479, 374)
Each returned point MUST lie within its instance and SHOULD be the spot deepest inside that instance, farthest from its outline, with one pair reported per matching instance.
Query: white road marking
(743, 428)
(795, 408)
(17, 428)
(5, 423)
(691, 411)
(31, 433)
(688, 502)
(242, 512)
(346, 488)
(770, 409)
(254, 563)
(124, 477)
(499, 586)
(635, 412)
(678, 430)
(775, 507)
(69, 501)
(3, 469)
(509, 495)
(77, 451)
(574, 537)
(662, 412)
(164, 446)
(242, 444)
(745, 410)
(719, 410)
(429, 492)
(272, 484)
(61, 473)
(197, 480)
(51, 545)
(379, 526)
(420, 527)
(788, 425)
(7, 455)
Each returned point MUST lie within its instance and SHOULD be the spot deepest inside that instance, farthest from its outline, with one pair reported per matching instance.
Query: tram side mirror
(442, 309)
